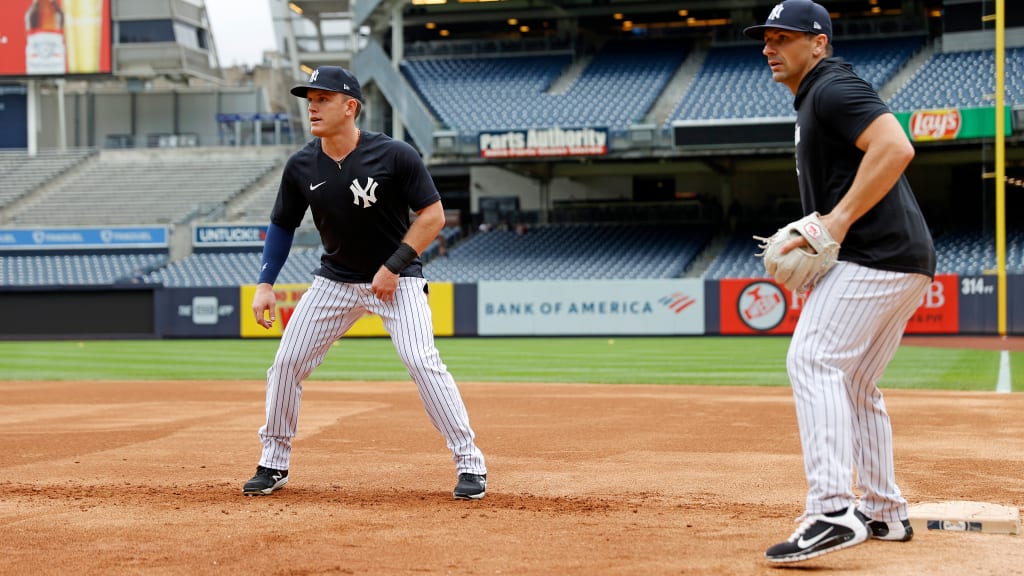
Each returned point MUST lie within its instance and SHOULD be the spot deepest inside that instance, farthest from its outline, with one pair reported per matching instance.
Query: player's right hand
(264, 301)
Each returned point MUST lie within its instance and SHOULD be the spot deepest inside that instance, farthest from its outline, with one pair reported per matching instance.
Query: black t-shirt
(834, 106)
(361, 207)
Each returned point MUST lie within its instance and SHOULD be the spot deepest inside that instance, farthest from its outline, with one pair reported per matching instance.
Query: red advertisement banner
(54, 37)
(761, 306)
(939, 313)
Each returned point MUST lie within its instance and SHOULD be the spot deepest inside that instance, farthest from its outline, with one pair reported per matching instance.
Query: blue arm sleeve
(275, 252)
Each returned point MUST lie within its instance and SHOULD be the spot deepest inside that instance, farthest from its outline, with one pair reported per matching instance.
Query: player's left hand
(799, 253)
(385, 283)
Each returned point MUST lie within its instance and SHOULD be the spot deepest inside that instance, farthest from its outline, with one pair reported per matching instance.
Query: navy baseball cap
(332, 79)
(796, 15)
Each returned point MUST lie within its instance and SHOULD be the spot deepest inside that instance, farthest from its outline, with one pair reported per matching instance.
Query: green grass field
(746, 361)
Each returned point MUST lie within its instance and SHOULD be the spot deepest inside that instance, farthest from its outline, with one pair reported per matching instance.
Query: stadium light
(295, 8)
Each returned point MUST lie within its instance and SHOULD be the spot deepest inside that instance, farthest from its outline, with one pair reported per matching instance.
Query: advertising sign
(206, 235)
(538, 142)
(979, 305)
(952, 123)
(939, 312)
(199, 312)
(627, 307)
(154, 237)
(757, 306)
(54, 37)
(441, 298)
(761, 306)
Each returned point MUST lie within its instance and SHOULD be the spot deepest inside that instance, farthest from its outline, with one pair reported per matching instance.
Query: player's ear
(820, 44)
(355, 107)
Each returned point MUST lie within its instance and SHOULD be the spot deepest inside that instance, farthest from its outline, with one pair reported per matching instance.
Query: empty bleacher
(961, 80)
(972, 253)
(21, 173)
(543, 253)
(572, 251)
(615, 89)
(878, 61)
(142, 186)
(256, 205)
(77, 270)
(233, 269)
(735, 82)
(737, 259)
(483, 93)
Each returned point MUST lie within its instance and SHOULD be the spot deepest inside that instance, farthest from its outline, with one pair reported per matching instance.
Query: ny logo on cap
(776, 12)
(312, 77)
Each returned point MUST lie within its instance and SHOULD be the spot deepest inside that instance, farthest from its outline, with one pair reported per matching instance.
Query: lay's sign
(938, 124)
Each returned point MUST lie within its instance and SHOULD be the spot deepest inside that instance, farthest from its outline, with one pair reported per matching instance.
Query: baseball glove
(801, 268)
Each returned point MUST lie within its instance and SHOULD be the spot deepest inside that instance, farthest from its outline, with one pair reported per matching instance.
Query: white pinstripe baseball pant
(324, 314)
(849, 330)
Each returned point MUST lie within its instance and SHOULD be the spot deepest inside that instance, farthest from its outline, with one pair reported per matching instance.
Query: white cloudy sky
(242, 30)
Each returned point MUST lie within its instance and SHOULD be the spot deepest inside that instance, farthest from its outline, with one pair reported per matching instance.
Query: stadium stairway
(676, 87)
(254, 203)
(563, 83)
(904, 74)
(710, 253)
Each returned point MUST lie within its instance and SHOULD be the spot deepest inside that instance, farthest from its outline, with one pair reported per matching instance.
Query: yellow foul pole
(1001, 163)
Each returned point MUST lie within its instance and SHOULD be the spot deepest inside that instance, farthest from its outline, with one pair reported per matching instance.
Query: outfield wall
(669, 307)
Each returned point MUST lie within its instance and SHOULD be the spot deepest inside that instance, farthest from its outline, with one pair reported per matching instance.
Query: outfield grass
(747, 361)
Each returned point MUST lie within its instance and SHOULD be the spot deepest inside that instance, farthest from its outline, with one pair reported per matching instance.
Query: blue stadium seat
(734, 81)
(501, 93)
(961, 80)
(572, 251)
(78, 270)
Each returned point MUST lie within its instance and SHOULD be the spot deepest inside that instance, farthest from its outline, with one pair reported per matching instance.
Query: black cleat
(900, 531)
(470, 486)
(265, 481)
(820, 534)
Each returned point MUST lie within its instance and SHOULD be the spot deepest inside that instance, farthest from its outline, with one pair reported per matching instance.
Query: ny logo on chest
(368, 193)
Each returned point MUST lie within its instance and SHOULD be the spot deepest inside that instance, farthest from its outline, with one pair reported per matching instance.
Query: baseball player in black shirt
(360, 187)
(850, 156)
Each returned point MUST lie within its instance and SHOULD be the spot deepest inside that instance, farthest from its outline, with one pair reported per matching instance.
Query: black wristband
(401, 258)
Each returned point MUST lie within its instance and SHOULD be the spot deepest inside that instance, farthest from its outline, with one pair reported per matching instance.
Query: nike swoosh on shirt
(311, 187)
(808, 543)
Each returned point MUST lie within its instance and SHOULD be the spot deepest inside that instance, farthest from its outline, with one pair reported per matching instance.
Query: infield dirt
(145, 478)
